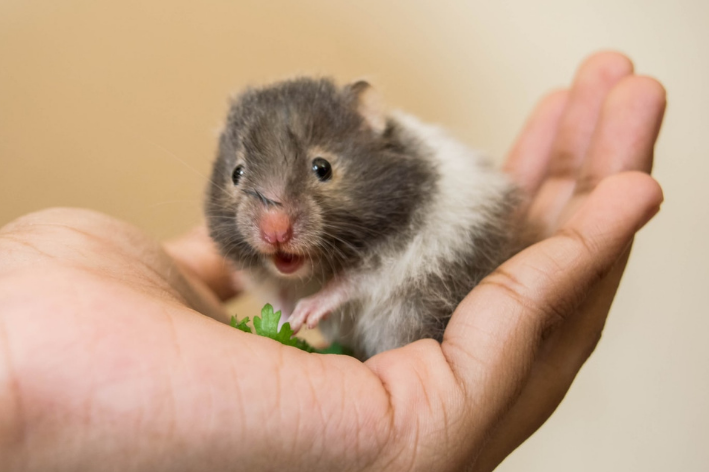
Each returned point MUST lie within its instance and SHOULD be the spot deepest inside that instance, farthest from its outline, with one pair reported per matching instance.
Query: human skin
(108, 362)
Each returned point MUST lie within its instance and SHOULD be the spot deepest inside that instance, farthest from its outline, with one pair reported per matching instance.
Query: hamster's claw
(312, 309)
(309, 311)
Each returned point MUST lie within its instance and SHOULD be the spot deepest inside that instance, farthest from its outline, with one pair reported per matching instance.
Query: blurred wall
(115, 106)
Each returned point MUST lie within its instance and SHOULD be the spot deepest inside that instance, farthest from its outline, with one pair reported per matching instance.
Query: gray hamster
(371, 224)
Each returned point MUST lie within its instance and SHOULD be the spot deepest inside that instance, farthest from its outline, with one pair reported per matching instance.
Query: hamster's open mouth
(287, 263)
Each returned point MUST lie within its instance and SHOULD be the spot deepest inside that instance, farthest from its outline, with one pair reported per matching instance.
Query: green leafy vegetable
(267, 326)
(241, 325)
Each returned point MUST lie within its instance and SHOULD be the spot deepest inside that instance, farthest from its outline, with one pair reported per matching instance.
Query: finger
(594, 80)
(559, 361)
(196, 253)
(627, 130)
(512, 311)
(528, 160)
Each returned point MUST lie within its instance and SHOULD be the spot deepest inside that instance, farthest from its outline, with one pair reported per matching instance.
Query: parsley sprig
(267, 326)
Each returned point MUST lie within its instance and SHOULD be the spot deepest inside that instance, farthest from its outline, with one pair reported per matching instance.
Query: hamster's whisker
(350, 226)
(353, 248)
(183, 162)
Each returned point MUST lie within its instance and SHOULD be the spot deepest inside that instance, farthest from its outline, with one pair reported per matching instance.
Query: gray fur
(391, 196)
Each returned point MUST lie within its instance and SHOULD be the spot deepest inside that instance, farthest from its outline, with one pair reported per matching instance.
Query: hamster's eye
(322, 169)
(237, 174)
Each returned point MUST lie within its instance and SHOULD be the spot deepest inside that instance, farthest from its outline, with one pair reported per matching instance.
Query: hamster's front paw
(312, 309)
(309, 311)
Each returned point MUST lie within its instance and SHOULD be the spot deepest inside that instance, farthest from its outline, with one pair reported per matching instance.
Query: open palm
(107, 361)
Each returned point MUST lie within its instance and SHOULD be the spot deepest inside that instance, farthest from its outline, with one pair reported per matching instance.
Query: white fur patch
(469, 190)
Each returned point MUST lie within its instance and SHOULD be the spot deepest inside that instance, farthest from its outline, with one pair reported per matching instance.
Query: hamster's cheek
(245, 221)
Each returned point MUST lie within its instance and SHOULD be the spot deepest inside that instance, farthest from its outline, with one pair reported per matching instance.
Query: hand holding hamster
(116, 348)
(372, 224)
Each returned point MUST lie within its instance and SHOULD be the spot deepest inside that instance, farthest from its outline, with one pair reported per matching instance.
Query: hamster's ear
(369, 105)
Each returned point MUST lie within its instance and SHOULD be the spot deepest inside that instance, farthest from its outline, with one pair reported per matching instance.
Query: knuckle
(546, 316)
(564, 164)
(586, 183)
(577, 239)
(548, 308)
(589, 250)
(555, 315)
(510, 286)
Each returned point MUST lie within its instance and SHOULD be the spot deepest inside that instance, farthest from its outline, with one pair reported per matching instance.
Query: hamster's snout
(276, 230)
(275, 227)
(283, 230)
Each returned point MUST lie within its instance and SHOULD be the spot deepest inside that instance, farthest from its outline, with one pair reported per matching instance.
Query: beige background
(114, 106)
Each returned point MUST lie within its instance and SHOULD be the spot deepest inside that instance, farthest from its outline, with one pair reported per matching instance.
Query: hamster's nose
(276, 227)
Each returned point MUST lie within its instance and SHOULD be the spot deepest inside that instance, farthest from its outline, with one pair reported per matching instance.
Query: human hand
(107, 364)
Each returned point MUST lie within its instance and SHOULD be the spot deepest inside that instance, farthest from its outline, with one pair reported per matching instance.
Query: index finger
(494, 335)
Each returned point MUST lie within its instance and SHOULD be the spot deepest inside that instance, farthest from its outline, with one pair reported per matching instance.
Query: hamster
(371, 224)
